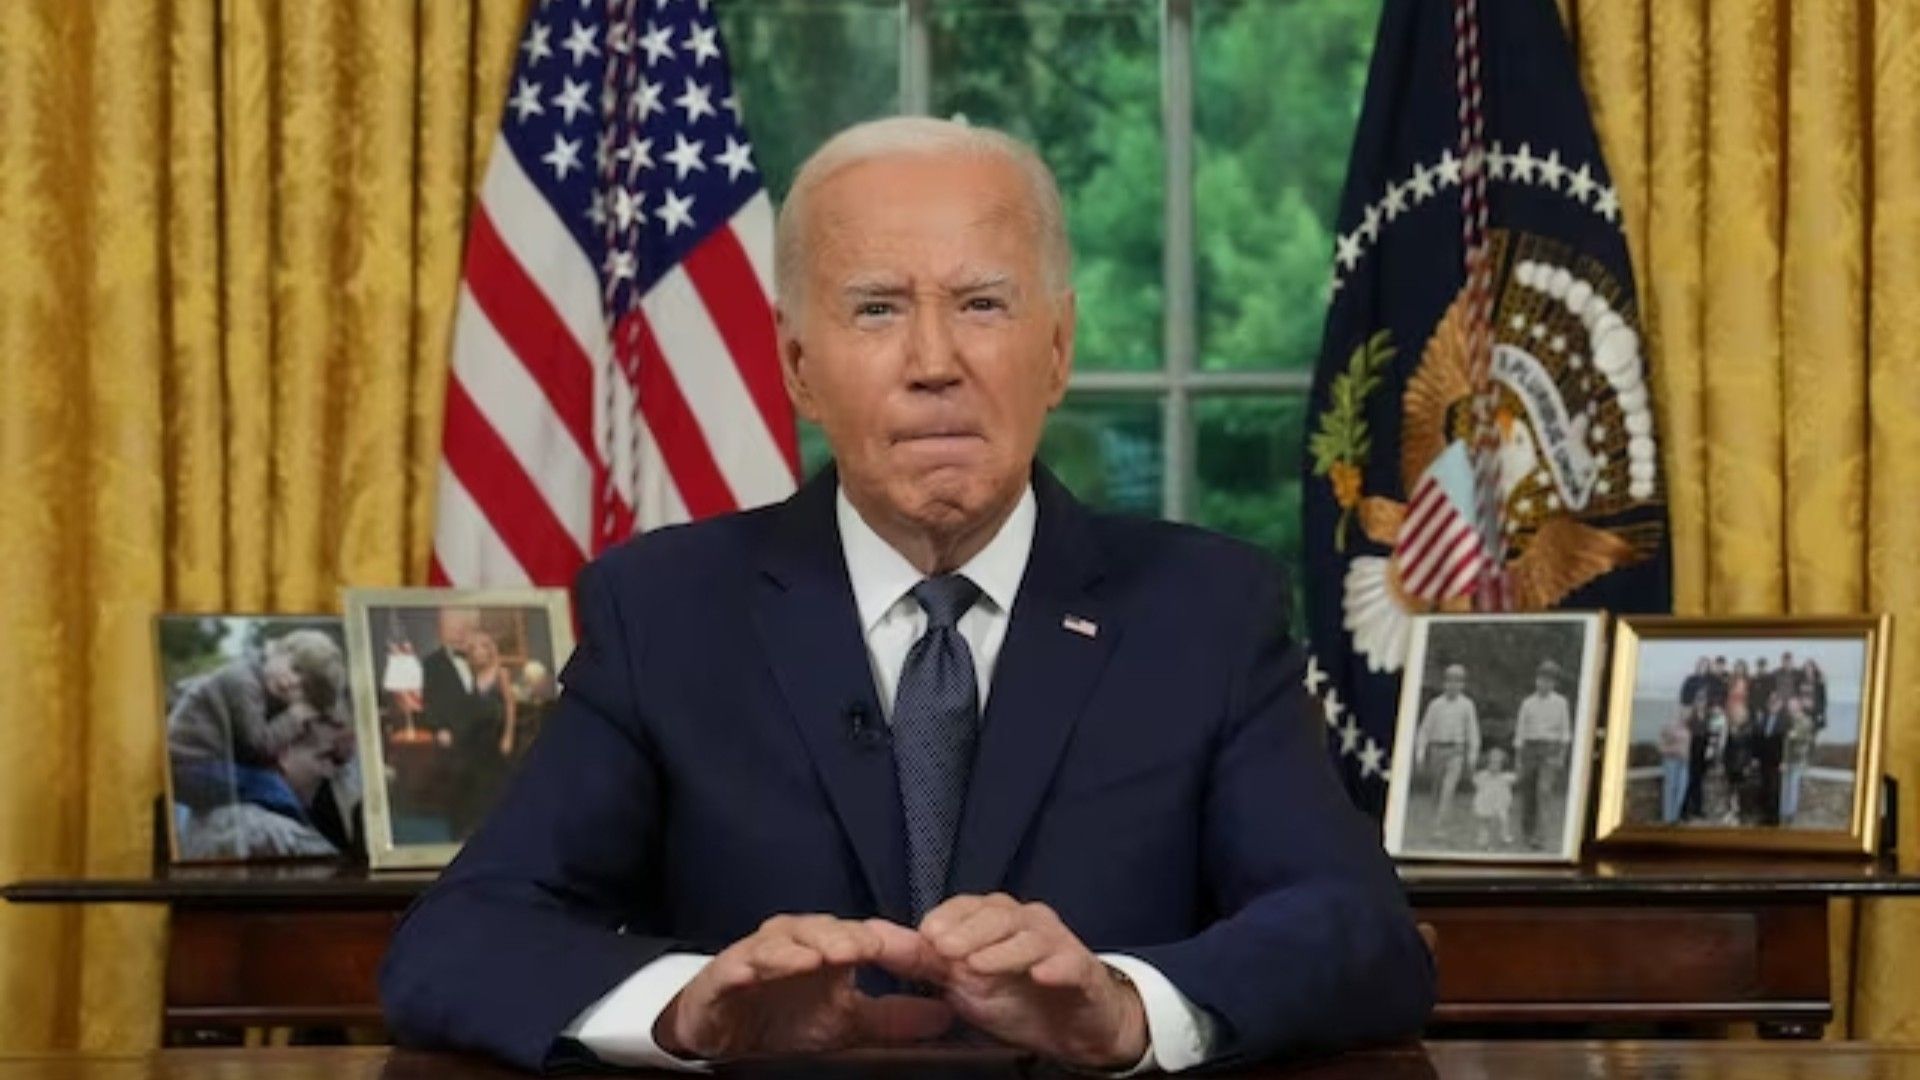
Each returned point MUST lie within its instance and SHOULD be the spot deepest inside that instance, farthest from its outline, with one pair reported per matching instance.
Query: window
(1200, 146)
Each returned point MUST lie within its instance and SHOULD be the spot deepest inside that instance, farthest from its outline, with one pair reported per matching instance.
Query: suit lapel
(1056, 646)
(805, 615)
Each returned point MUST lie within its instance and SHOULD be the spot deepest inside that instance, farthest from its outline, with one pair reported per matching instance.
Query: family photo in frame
(261, 759)
(1494, 738)
(1746, 733)
(451, 688)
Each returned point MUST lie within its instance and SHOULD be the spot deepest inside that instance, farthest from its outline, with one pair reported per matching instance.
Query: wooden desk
(1639, 941)
(1436, 1061)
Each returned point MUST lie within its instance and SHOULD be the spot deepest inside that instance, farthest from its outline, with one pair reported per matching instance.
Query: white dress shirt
(618, 1028)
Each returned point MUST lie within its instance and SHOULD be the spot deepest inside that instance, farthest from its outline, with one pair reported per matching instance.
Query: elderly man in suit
(929, 747)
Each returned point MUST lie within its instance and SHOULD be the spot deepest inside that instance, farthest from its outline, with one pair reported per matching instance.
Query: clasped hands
(1010, 969)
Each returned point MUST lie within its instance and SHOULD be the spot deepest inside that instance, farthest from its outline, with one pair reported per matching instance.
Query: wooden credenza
(1642, 941)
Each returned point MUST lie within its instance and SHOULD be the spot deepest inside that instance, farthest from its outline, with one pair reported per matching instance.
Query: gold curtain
(230, 233)
(1768, 158)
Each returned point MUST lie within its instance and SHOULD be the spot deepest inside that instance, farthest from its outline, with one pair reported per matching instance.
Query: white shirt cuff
(1179, 1033)
(618, 1028)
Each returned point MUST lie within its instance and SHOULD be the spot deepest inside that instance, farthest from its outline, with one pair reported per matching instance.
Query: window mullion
(1177, 270)
(916, 52)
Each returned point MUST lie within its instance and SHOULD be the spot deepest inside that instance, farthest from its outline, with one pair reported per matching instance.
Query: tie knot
(946, 598)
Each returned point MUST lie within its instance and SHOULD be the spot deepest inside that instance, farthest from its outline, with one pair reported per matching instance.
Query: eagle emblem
(1578, 461)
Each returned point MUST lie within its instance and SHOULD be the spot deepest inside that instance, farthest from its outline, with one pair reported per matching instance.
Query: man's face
(926, 340)
(1543, 684)
(1453, 683)
(457, 624)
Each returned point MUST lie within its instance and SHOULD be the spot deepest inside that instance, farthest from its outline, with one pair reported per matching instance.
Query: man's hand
(1017, 973)
(788, 988)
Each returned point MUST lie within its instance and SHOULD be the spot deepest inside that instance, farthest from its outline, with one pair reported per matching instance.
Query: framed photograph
(1746, 733)
(450, 687)
(261, 759)
(1494, 741)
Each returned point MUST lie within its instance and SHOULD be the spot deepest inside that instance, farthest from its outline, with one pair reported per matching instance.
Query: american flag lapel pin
(1086, 628)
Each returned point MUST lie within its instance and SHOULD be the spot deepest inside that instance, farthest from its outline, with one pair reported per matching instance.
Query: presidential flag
(614, 362)
(1481, 433)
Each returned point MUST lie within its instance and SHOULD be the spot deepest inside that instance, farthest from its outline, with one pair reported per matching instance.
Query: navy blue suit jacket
(717, 758)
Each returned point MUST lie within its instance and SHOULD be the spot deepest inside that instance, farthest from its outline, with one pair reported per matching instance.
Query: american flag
(614, 359)
(1443, 555)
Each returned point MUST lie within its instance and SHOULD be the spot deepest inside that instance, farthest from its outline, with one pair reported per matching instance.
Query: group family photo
(1757, 733)
(1495, 733)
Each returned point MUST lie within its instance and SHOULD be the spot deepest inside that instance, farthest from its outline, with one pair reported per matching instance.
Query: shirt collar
(881, 576)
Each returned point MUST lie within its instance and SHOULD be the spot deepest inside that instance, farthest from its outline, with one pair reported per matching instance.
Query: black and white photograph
(1758, 728)
(452, 687)
(1495, 733)
(261, 759)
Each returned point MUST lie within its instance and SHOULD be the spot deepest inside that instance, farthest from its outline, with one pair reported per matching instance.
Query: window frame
(1180, 378)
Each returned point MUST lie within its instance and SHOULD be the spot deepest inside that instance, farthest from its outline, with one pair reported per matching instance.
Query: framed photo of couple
(450, 687)
(1746, 733)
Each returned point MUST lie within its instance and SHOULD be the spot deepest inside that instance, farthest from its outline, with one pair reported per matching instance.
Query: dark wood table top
(1637, 878)
(1436, 1061)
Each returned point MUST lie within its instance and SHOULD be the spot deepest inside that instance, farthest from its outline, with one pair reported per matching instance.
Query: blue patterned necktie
(936, 719)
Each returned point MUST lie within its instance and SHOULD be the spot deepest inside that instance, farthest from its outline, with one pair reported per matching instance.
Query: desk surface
(1633, 879)
(1437, 1061)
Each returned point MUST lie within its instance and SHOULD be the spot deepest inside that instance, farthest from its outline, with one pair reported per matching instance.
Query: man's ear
(1060, 362)
(791, 373)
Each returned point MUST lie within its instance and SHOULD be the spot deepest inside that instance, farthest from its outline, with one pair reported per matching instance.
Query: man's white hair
(897, 136)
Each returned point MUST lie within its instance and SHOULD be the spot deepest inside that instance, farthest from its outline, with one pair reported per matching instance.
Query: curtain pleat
(232, 233)
(1782, 215)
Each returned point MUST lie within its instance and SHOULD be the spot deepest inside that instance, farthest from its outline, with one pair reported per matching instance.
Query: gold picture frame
(433, 767)
(1658, 705)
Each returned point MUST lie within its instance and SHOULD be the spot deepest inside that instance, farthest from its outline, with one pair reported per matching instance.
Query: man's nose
(932, 361)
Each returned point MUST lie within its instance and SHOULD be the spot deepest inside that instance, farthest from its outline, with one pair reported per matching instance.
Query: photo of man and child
(1491, 751)
(260, 738)
(1745, 733)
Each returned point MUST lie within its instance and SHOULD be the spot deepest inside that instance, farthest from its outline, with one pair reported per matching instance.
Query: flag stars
(621, 264)
(731, 103)
(1580, 185)
(1347, 251)
(1521, 164)
(675, 212)
(685, 156)
(538, 45)
(1395, 202)
(564, 157)
(1331, 708)
(1551, 171)
(626, 207)
(637, 154)
(658, 43)
(1448, 170)
(1349, 737)
(700, 39)
(1497, 163)
(1370, 759)
(1370, 224)
(1607, 204)
(580, 42)
(572, 98)
(1422, 184)
(737, 157)
(646, 101)
(525, 101)
(696, 101)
